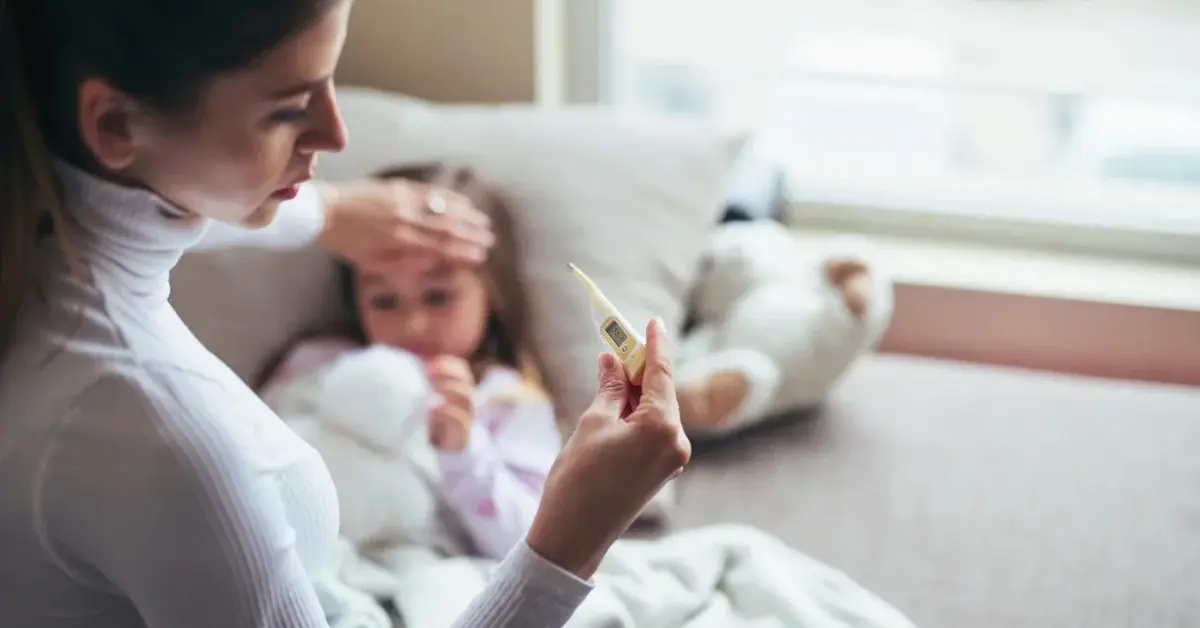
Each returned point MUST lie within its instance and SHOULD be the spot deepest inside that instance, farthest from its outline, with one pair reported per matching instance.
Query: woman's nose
(328, 131)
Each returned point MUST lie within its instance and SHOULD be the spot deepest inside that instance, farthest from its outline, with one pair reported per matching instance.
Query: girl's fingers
(457, 395)
(449, 369)
(449, 414)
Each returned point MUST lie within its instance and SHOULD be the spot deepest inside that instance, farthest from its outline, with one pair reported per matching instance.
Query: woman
(141, 483)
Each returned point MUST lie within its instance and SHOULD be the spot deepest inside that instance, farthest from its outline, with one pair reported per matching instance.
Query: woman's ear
(107, 124)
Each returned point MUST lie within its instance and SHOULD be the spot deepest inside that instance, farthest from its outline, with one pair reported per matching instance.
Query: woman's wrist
(557, 547)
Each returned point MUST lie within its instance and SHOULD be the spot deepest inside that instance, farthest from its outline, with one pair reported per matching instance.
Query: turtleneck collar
(131, 235)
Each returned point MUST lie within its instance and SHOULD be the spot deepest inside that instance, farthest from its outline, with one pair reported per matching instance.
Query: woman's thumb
(613, 391)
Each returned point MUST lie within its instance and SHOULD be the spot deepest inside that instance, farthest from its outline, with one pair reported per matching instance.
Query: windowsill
(1079, 220)
(1023, 271)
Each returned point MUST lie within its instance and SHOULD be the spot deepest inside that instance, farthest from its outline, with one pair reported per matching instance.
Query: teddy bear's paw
(726, 391)
(853, 282)
(706, 405)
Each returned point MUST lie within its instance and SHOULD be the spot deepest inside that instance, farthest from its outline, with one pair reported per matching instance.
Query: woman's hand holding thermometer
(615, 460)
(628, 345)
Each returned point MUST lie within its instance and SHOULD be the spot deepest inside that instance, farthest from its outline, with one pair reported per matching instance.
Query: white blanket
(721, 576)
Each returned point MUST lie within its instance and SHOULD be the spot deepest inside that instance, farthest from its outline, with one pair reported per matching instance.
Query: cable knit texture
(141, 482)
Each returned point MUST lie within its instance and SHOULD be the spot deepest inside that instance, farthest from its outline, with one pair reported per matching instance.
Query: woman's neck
(128, 233)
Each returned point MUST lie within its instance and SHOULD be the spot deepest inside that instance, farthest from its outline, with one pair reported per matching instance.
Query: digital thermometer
(627, 344)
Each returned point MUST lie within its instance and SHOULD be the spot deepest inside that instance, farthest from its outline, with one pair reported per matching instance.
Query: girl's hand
(614, 462)
(382, 222)
(450, 423)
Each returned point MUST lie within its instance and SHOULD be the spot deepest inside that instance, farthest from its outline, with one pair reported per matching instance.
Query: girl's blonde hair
(507, 339)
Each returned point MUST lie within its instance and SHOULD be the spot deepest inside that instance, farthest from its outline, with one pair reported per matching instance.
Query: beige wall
(446, 50)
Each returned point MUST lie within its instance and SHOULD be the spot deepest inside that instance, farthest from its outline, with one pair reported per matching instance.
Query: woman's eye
(437, 298)
(384, 302)
(291, 114)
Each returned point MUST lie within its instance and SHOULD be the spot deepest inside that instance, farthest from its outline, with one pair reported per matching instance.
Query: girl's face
(253, 136)
(441, 312)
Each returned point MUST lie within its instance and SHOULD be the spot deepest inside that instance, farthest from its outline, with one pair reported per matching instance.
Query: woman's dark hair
(162, 54)
(506, 340)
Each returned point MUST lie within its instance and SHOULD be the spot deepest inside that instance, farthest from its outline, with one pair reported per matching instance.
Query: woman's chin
(262, 216)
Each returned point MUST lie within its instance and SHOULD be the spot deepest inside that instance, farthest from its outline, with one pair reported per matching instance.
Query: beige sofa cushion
(628, 199)
(247, 306)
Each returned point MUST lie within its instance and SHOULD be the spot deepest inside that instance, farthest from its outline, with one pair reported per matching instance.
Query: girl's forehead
(438, 274)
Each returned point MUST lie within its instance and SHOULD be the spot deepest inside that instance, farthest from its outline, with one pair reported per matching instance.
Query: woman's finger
(612, 392)
(409, 238)
(471, 253)
(450, 229)
(453, 209)
(658, 380)
(461, 209)
(456, 247)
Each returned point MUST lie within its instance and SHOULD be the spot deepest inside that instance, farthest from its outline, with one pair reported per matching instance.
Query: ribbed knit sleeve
(527, 591)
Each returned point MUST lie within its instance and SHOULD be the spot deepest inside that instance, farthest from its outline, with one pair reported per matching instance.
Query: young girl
(494, 430)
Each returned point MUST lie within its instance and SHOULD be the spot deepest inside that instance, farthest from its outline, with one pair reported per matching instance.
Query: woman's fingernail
(606, 361)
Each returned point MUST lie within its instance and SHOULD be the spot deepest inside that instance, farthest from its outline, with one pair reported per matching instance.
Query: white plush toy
(775, 325)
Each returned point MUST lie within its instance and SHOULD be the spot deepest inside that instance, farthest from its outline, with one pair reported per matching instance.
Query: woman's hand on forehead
(403, 224)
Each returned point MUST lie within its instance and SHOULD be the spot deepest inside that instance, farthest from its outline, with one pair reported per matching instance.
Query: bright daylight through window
(1081, 113)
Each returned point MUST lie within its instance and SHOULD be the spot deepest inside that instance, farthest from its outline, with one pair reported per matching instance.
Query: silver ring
(435, 204)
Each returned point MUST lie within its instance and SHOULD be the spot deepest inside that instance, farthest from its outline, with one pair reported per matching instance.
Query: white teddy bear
(775, 326)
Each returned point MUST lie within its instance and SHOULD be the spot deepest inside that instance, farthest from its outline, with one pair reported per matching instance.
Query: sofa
(964, 495)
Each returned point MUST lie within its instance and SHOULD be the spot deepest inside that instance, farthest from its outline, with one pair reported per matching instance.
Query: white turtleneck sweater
(141, 482)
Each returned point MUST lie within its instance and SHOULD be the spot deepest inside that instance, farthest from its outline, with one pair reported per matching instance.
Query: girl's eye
(383, 302)
(437, 298)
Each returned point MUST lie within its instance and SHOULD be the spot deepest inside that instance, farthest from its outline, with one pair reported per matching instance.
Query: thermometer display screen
(614, 331)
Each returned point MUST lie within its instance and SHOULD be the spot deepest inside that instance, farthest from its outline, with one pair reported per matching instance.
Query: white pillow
(627, 198)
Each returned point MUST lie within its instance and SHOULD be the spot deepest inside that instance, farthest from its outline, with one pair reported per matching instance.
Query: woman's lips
(291, 191)
(286, 194)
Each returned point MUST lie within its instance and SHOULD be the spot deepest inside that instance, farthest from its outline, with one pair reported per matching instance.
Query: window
(1074, 122)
